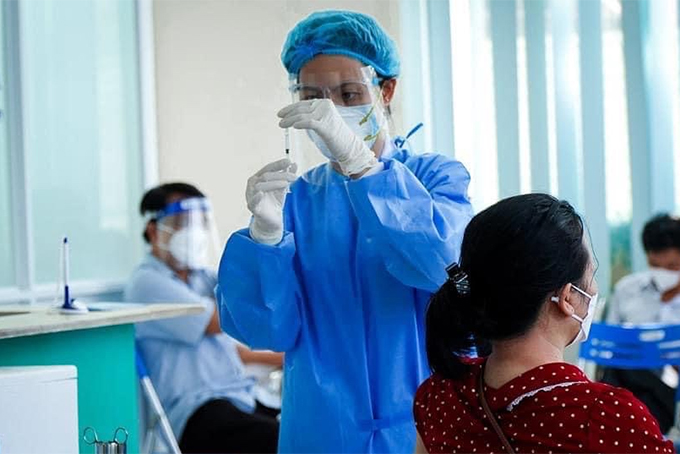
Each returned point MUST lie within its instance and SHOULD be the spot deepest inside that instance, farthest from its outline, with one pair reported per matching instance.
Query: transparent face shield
(187, 234)
(357, 95)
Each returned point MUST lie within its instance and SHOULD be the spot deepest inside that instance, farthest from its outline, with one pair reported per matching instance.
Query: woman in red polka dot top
(524, 291)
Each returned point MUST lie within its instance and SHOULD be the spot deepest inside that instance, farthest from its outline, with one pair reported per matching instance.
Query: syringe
(286, 135)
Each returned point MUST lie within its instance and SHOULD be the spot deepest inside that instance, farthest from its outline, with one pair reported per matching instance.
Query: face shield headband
(193, 204)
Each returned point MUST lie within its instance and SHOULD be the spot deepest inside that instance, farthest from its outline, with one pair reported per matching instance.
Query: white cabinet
(38, 410)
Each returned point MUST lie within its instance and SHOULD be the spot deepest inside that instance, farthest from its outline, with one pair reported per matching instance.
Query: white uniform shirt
(637, 298)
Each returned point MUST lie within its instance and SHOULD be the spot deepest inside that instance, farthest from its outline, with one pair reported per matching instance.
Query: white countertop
(19, 375)
(19, 320)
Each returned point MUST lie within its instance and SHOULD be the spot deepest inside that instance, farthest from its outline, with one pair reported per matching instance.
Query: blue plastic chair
(648, 346)
(156, 419)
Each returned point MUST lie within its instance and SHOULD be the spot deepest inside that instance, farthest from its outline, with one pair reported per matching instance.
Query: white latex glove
(265, 194)
(321, 116)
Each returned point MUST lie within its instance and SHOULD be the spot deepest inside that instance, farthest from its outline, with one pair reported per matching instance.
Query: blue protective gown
(344, 296)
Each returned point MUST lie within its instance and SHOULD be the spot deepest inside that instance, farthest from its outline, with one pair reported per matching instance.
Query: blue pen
(70, 306)
(65, 263)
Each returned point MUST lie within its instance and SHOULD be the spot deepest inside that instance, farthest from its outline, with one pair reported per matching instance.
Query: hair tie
(459, 279)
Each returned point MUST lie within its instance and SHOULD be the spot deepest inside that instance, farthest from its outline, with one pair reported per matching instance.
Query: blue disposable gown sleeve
(258, 292)
(417, 221)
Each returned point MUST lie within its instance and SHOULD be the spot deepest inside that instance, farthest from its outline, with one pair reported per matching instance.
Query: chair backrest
(139, 364)
(648, 346)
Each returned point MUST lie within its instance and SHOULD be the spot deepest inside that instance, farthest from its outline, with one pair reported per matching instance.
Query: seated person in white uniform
(650, 296)
(197, 370)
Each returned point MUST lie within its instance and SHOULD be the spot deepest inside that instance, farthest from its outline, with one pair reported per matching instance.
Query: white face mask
(585, 322)
(320, 144)
(353, 116)
(664, 279)
(189, 248)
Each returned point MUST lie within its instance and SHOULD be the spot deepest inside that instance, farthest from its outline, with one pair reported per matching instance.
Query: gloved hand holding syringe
(266, 194)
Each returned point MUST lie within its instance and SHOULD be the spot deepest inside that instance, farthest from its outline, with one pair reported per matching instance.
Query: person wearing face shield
(523, 291)
(198, 371)
(337, 272)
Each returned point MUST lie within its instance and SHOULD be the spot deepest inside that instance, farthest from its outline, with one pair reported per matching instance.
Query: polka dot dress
(552, 408)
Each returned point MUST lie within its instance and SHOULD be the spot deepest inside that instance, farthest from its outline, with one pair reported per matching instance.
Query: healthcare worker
(338, 271)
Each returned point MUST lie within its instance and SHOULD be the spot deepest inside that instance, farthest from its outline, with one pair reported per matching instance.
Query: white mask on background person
(364, 123)
(585, 322)
(189, 248)
(664, 279)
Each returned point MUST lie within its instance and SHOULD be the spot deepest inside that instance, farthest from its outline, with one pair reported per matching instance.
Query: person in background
(197, 370)
(650, 296)
(525, 286)
(646, 297)
(337, 272)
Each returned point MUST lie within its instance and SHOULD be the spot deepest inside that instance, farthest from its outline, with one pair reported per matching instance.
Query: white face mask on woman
(585, 322)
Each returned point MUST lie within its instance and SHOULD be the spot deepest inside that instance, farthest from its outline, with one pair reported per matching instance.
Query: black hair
(515, 253)
(157, 198)
(660, 233)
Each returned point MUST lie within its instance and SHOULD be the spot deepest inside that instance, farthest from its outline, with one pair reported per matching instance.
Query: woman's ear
(388, 88)
(563, 300)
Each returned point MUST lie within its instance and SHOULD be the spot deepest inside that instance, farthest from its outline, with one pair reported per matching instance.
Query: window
(618, 182)
(574, 100)
(82, 149)
(6, 239)
(474, 112)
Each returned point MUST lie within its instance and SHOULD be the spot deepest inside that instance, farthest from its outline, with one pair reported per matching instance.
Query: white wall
(220, 82)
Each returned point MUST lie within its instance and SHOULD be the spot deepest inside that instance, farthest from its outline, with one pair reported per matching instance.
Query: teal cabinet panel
(107, 380)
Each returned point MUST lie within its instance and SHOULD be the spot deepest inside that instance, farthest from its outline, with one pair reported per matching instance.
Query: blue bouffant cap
(345, 33)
